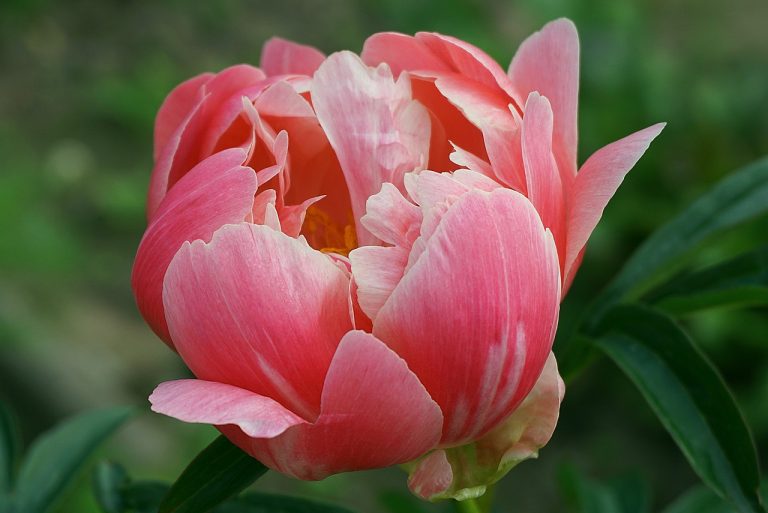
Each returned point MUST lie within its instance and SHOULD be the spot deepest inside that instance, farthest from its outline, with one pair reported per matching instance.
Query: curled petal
(282, 57)
(595, 185)
(474, 316)
(464, 472)
(176, 107)
(374, 413)
(216, 192)
(258, 310)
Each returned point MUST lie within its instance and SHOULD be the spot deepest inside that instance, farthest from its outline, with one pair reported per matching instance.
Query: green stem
(482, 504)
(469, 506)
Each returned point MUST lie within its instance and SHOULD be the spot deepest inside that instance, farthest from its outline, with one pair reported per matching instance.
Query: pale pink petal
(597, 182)
(259, 310)
(548, 62)
(375, 413)
(377, 272)
(217, 191)
(183, 149)
(377, 131)
(282, 57)
(475, 316)
(390, 217)
(545, 190)
(176, 107)
(466, 471)
(208, 402)
(468, 160)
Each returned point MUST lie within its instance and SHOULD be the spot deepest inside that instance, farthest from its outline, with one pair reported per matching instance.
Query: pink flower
(363, 268)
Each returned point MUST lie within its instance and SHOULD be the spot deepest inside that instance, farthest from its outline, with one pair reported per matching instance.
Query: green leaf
(144, 496)
(699, 500)
(109, 480)
(10, 448)
(268, 503)
(689, 397)
(58, 455)
(742, 281)
(626, 494)
(739, 197)
(220, 471)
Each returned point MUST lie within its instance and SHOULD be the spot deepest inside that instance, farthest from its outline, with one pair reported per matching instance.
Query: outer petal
(377, 131)
(282, 57)
(401, 52)
(258, 310)
(216, 192)
(176, 107)
(465, 471)
(182, 150)
(596, 183)
(475, 315)
(375, 413)
(548, 62)
(208, 402)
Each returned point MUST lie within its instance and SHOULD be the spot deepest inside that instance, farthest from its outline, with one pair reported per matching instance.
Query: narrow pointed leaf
(220, 471)
(109, 480)
(10, 448)
(56, 458)
(267, 503)
(736, 199)
(690, 398)
(742, 281)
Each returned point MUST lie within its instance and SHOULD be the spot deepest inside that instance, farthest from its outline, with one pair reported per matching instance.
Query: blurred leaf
(689, 397)
(57, 456)
(267, 503)
(220, 471)
(627, 494)
(10, 448)
(742, 281)
(396, 502)
(734, 200)
(109, 479)
(699, 500)
(144, 496)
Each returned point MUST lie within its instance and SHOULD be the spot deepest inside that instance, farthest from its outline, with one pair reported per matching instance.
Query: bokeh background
(81, 80)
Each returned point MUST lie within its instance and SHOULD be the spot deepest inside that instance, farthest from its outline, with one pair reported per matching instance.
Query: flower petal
(208, 402)
(465, 471)
(176, 107)
(597, 182)
(258, 310)
(216, 192)
(282, 57)
(375, 127)
(548, 62)
(475, 315)
(375, 413)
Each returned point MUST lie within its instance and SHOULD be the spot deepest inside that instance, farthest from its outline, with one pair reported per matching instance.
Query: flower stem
(469, 506)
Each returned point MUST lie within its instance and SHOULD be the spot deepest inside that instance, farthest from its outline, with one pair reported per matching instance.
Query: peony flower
(361, 259)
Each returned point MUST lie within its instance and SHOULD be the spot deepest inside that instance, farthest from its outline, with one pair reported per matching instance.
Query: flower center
(326, 234)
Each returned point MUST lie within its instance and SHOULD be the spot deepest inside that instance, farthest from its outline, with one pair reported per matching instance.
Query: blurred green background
(81, 81)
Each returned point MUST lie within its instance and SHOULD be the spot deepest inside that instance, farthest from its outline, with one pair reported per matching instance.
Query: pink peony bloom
(361, 259)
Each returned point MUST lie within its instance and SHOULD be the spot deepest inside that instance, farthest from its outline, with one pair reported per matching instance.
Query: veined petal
(465, 471)
(216, 192)
(259, 310)
(375, 127)
(597, 182)
(375, 413)
(548, 62)
(282, 57)
(208, 402)
(176, 107)
(476, 314)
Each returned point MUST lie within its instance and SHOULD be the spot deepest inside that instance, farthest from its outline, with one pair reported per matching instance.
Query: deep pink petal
(208, 402)
(183, 149)
(217, 191)
(597, 182)
(258, 310)
(282, 57)
(375, 413)
(375, 127)
(401, 52)
(176, 107)
(545, 189)
(548, 62)
(475, 315)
